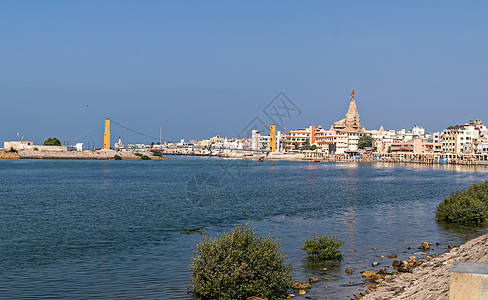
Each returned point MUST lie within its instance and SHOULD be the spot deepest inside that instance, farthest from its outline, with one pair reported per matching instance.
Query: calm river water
(103, 229)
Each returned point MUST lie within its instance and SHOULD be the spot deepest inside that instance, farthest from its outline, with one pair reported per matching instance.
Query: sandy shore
(430, 280)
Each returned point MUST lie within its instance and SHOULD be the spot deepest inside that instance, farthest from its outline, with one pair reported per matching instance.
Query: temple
(351, 121)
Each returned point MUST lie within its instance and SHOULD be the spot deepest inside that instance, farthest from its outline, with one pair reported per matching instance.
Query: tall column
(106, 135)
(272, 138)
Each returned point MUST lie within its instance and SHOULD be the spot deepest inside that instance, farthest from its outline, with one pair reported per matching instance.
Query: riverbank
(430, 280)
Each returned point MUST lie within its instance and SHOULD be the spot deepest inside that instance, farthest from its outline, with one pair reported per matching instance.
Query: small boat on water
(261, 159)
(317, 160)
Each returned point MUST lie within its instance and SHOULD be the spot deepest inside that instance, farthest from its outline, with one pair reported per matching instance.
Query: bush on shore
(465, 207)
(240, 265)
(145, 157)
(52, 142)
(156, 153)
(323, 247)
(117, 157)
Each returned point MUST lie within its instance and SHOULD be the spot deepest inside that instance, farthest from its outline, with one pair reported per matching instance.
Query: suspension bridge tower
(106, 135)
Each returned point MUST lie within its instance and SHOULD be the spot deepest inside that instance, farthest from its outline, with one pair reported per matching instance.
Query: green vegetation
(157, 153)
(365, 141)
(466, 207)
(117, 157)
(36, 149)
(313, 147)
(12, 150)
(199, 230)
(306, 145)
(52, 142)
(240, 265)
(137, 154)
(145, 157)
(323, 247)
(297, 146)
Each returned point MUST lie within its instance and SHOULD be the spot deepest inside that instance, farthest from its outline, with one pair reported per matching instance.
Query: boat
(260, 159)
(317, 160)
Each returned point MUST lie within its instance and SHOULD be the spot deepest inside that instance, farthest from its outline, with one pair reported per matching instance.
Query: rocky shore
(430, 279)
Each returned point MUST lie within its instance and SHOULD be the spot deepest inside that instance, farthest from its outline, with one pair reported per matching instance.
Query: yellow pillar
(272, 138)
(106, 135)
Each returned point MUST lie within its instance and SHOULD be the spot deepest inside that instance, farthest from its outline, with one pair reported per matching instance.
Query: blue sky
(200, 68)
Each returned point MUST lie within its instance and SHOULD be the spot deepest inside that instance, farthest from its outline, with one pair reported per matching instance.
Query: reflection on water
(78, 229)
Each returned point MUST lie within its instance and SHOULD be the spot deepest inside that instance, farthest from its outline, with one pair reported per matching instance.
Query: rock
(297, 285)
(325, 269)
(349, 271)
(374, 248)
(302, 292)
(313, 280)
(368, 274)
(377, 255)
(325, 286)
(255, 298)
(326, 278)
(382, 256)
(290, 296)
(395, 264)
(450, 246)
(354, 250)
(375, 264)
(425, 246)
(392, 256)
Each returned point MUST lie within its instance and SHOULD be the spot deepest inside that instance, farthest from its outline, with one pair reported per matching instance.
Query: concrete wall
(28, 145)
(468, 281)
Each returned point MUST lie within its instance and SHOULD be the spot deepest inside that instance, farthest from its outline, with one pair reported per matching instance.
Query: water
(102, 229)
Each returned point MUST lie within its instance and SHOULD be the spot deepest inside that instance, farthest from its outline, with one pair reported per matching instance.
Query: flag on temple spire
(352, 93)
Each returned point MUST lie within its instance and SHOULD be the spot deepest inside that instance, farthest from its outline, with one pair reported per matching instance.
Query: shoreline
(429, 280)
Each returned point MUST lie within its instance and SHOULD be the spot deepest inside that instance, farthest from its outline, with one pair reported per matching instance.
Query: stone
(290, 296)
(450, 246)
(302, 292)
(425, 246)
(392, 256)
(368, 274)
(326, 278)
(375, 264)
(374, 248)
(395, 264)
(325, 286)
(313, 280)
(297, 285)
(325, 269)
(349, 271)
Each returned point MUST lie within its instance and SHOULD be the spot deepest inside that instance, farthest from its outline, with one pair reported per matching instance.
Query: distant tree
(365, 141)
(152, 144)
(389, 149)
(297, 146)
(313, 147)
(306, 145)
(52, 142)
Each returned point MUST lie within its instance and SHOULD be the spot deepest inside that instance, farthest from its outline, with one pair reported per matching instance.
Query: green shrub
(465, 207)
(138, 154)
(117, 157)
(52, 142)
(323, 247)
(36, 149)
(156, 153)
(240, 265)
(12, 150)
(145, 157)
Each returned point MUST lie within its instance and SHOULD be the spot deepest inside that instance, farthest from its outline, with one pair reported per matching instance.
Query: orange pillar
(106, 135)
(272, 138)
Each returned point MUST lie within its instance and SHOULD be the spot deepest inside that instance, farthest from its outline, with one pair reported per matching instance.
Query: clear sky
(201, 68)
